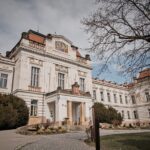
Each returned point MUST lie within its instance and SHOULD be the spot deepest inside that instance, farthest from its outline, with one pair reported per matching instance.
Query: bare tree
(120, 32)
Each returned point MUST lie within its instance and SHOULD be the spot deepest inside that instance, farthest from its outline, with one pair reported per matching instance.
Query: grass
(136, 141)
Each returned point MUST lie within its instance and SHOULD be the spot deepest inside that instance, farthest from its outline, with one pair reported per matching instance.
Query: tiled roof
(145, 73)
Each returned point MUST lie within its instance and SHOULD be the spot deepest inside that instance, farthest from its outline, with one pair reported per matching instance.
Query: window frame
(149, 112)
(3, 81)
(108, 97)
(126, 99)
(115, 97)
(133, 99)
(135, 114)
(121, 100)
(102, 95)
(122, 114)
(35, 76)
(147, 95)
(34, 108)
(82, 84)
(128, 113)
(61, 80)
(94, 95)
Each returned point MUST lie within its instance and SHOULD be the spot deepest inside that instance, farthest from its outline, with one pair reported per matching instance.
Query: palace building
(54, 79)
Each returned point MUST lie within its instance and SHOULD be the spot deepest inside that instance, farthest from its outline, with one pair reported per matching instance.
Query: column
(82, 113)
(69, 111)
(57, 121)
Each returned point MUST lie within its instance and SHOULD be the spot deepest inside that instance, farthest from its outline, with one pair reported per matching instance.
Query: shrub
(13, 112)
(107, 115)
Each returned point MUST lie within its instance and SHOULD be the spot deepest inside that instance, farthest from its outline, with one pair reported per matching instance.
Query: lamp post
(96, 130)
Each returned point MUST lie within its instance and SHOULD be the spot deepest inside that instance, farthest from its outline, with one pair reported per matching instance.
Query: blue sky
(48, 16)
(111, 75)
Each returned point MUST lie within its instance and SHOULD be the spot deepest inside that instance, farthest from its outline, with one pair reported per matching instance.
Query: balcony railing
(82, 60)
(36, 45)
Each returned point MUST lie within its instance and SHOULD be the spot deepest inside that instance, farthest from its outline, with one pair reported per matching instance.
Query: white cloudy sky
(49, 16)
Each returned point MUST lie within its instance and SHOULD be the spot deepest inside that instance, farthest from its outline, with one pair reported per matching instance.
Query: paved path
(9, 140)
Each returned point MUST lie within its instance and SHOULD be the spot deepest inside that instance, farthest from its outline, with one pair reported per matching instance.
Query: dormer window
(61, 46)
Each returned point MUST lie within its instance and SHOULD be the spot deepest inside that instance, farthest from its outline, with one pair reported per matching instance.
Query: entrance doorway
(76, 113)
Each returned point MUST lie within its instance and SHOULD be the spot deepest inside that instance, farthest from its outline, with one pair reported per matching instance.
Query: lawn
(136, 141)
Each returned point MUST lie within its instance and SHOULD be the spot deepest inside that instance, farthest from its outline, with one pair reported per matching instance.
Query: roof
(40, 38)
(109, 83)
(145, 73)
(36, 37)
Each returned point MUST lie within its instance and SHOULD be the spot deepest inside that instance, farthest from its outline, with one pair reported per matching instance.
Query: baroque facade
(49, 73)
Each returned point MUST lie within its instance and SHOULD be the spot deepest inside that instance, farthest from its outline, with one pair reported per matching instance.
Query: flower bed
(41, 129)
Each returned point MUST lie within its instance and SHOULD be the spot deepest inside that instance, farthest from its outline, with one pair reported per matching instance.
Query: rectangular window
(128, 113)
(35, 76)
(133, 99)
(94, 94)
(147, 96)
(126, 99)
(135, 113)
(149, 112)
(122, 112)
(120, 99)
(108, 97)
(102, 96)
(115, 98)
(33, 109)
(3, 80)
(82, 84)
(61, 80)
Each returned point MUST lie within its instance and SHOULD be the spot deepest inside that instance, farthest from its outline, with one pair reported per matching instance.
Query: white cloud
(50, 16)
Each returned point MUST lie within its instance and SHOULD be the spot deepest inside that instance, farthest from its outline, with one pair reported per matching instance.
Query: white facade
(39, 64)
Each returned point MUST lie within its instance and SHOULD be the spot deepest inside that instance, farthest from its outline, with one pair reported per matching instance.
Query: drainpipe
(12, 85)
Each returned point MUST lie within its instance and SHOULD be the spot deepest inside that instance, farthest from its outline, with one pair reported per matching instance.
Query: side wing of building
(6, 75)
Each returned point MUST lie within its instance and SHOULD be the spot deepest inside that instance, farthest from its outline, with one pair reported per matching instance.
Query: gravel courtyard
(9, 140)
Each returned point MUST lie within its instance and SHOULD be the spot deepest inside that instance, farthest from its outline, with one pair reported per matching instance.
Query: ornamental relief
(81, 73)
(61, 68)
(36, 62)
(61, 46)
(139, 97)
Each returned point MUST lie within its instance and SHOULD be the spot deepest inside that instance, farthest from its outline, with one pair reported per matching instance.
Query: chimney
(75, 88)
(87, 57)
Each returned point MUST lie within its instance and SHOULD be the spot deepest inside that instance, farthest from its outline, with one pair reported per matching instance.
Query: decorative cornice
(27, 91)
(112, 85)
(53, 56)
(6, 61)
(66, 94)
(6, 70)
(69, 92)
